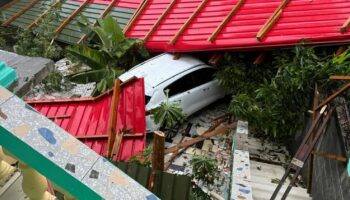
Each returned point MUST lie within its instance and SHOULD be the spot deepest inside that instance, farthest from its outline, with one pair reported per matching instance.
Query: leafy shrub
(204, 168)
(275, 97)
(40, 40)
(168, 114)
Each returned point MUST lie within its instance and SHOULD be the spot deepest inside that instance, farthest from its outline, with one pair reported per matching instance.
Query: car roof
(161, 68)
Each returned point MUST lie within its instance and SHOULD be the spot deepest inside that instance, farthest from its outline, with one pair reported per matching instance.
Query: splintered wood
(215, 130)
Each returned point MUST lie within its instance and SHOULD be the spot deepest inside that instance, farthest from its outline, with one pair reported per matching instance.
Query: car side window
(181, 85)
(191, 80)
(202, 76)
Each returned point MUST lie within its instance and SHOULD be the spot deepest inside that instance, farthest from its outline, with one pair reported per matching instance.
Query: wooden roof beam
(189, 20)
(103, 14)
(271, 21)
(136, 15)
(71, 17)
(234, 10)
(155, 26)
(345, 26)
(35, 22)
(19, 13)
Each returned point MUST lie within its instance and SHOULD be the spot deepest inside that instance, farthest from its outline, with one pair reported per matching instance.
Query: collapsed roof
(203, 25)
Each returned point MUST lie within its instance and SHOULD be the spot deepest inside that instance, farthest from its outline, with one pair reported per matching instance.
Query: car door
(182, 90)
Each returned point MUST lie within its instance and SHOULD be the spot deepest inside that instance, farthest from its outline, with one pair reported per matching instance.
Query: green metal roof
(166, 186)
(71, 32)
(7, 75)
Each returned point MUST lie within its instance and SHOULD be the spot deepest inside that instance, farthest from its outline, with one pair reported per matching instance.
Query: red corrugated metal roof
(121, 3)
(317, 21)
(89, 117)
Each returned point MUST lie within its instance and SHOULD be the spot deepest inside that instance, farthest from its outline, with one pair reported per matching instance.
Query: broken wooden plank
(59, 117)
(155, 26)
(188, 21)
(19, 13)
(339, 77)
(345, 26)
(103, 14)
(41, 16)
(174, 155)
(334, 95)
(264, 30)
(216, 131)
(72, 16)
(113, 117)
(226, 20)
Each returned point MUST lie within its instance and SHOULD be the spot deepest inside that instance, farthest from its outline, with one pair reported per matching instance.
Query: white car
(188, 79)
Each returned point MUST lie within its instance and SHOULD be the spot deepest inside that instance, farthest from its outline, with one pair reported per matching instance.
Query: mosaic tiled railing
(41, 144)
(240, 177)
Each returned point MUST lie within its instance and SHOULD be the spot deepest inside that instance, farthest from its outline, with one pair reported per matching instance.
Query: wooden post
(157, 157)
(158, 151)
(113, 118)
(34, 185)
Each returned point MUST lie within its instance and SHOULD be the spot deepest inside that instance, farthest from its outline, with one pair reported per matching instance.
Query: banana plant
(112, 54)
(168, 114)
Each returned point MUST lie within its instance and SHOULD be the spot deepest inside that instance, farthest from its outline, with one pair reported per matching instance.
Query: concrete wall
(330, 177)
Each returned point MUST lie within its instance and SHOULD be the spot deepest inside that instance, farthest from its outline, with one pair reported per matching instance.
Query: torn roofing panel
(187, 25)
(87, 118)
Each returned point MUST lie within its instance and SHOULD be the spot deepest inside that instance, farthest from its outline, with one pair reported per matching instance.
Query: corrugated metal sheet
(317, 22)
(30, 15)
(132, 4)
(7, 75)
(89, 117)
(166, 186)
(71, 32)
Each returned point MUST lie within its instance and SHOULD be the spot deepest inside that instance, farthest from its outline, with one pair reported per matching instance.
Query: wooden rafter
(345, 26)
(103, 14)
(35, 22)
(19, 13)
(189, 20)
(71, 17)
(136, 15)
(271, 21)
(226, 20)
(155, 26)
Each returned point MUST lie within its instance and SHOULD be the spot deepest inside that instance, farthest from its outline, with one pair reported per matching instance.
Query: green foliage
(168, 114)
(143, 158)
(55, 81)
(108, 57)
(40, 40)
(204, 168)
(275, 97)
(198, 194)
